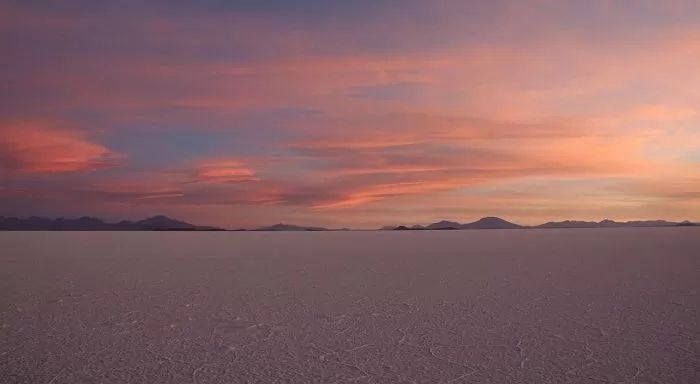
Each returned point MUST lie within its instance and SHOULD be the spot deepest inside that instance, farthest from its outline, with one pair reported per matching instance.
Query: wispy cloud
(34, 147)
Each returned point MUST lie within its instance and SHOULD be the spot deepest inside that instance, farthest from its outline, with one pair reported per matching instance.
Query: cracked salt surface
(526, 306)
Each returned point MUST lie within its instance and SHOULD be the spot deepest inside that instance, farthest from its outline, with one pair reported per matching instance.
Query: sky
(350, 113)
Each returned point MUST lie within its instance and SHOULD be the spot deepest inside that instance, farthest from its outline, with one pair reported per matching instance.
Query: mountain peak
(87, 223)
(444, 224)
(164, 222)
(491, 222)
(491, 219)
(289, 227)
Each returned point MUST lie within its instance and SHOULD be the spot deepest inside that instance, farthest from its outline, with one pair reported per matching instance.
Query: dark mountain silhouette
(607, 224)
(490, 223)
(155, 223)
(164, 222)
(498, 223)
(392, 227)
(444, 224)
(569, 224)
(290, 227)
(405, 228)
(648, 223)
(483, 223)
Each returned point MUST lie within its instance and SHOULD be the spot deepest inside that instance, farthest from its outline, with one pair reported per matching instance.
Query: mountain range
(483, 223)
(609, 224)
(164, 223)
(290, 227)
(155, 223)
(498, 223)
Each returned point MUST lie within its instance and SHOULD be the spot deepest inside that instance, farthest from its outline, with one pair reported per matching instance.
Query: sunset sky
(354, 113)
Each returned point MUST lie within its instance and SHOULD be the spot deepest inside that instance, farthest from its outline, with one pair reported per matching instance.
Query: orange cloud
(377, 192)
(41, 148)
(657, 112)
(427, 160)
(224, 171)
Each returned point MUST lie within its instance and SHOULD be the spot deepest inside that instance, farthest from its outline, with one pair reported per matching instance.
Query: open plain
(490, 306)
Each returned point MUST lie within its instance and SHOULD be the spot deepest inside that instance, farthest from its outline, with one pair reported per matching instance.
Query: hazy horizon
(389, 225)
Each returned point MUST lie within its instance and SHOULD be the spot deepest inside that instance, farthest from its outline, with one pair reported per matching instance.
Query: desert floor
(489, 306)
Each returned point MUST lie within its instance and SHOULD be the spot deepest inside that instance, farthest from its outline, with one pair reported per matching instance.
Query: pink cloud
(224, 171)
(31, 147)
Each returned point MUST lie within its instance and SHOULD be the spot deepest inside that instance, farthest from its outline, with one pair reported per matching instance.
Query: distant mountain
(290, 227)
(569, 224)
(155, 223)
(498, 223)
(686, 224)
(483, 223)
(491, 223)
(607, 224)
(405, 228)
(648, 223)
(164, 222)
(444, 224)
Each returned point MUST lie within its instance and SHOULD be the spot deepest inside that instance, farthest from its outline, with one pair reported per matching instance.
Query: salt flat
(509, 306)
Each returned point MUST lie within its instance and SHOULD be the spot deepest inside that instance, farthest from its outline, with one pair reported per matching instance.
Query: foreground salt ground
(524, 306)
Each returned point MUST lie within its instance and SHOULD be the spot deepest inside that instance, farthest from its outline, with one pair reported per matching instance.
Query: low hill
(491, 223)
(290, 227)
(444, 224)
(483, 223)
(155, 223)
(606, 224)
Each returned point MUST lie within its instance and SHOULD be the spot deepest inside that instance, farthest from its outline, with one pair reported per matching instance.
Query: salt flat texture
(522, 306)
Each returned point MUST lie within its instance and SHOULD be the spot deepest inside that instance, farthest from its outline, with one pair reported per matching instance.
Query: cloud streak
(29, 147)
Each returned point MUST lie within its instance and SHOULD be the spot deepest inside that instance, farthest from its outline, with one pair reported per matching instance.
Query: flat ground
(509, 306)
